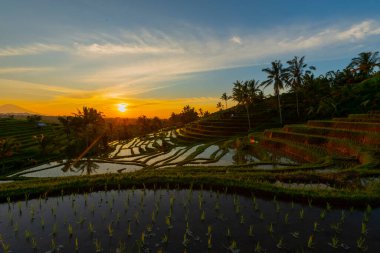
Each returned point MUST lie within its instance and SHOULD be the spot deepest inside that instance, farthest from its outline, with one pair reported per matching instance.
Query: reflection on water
(84, 167)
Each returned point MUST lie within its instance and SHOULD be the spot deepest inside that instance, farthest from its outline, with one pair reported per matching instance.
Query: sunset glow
(54, 60)
(122, 107)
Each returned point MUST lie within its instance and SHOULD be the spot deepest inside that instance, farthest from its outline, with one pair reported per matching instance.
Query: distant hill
(14, 109)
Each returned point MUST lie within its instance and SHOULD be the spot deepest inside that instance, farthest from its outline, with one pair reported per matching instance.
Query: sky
(158, 56)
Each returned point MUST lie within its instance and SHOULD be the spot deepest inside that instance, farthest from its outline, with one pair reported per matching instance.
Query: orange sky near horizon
(134, 107)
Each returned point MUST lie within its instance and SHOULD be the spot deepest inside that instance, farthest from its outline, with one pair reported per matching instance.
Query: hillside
(10, 108)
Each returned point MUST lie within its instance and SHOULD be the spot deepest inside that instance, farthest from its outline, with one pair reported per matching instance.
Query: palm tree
(254, 91)
(296, 75)
(7, 148)
(276, 76)
(365, 63)
(240, 93)
(225, 97)
(219, 105)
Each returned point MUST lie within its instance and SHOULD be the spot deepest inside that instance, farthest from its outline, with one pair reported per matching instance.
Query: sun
(122, 107)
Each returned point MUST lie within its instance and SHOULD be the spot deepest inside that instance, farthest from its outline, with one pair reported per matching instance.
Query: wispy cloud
(134, 62)
(23, 70)
(118, 49)
(36, 48)
(200, 51)
(236, 39)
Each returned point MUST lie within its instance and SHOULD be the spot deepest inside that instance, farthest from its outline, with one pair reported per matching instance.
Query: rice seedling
(322, 215)
(42, 223)
(15, 227)
(165, 239)
(250, 231)
(168, 222)
(295, 234)
(19, 208)
(301, 213)
(310, 242)
(53, 245)
(91, 228)
(361, 244)
(142, 238)
(98, 246)
(277, 207)
(270, 228)
(364, 230)
(6, 247)
(368, 209)
(342, 216)
(310, 201)
(316, 227)
(328, 206)
(185, 241)
(209, 242)
(233, 246)
(334, 242)
(209, 229)
(110, 230)
(70, 230)
(76, 244)
(228, 233)
(34, 243)
(122, 248)
(129, 230)
(337, 227)
(54, 230)
(203, 215)
(242, 219)
(258, 248)
(286, 218)
(27, 235)
(280, 243)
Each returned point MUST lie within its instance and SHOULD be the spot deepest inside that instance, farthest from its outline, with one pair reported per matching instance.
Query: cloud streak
(33, 49)
(23, 70)
(132, 63)
(201, 52)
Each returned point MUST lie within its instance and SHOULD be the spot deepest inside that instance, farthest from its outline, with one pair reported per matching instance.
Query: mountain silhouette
(10, 108)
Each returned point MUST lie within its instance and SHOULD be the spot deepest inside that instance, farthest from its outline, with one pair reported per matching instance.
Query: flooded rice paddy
(156, 152)
(183, 221)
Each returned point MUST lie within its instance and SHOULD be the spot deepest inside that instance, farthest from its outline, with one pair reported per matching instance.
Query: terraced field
(331, 159)
(348, 148)
(160, 150)
(23, 132)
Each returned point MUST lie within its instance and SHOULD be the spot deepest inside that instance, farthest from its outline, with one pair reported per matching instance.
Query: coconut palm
(296, 73)
(7, 148)
(240, 93)
(225, 98)
(365, 63)
(276, 76)
(219, 105)
(253, 89)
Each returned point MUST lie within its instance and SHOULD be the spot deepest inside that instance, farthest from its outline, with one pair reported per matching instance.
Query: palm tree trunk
(298, 112)
(226, 105)
(279, 107)
(249, 121)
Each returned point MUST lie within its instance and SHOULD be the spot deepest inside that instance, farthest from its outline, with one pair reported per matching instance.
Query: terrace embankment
(229, 123)
(355, 138)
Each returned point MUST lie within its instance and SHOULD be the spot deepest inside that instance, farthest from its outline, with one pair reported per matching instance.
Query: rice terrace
(193, 129)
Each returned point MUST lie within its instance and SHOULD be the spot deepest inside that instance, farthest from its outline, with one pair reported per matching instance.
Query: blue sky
(157, 56)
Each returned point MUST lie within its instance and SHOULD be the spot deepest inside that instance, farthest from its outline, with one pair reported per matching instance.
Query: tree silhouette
(296, 73)
(276, 76)
(225, 98)
(365, 63)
